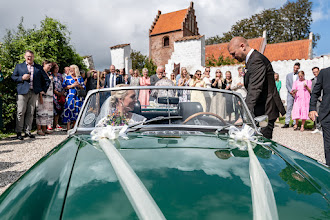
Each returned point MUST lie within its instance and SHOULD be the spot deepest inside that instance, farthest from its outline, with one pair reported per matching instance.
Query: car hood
(189, 177)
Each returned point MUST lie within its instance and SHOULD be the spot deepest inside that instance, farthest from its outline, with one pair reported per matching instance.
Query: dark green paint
(189, 177)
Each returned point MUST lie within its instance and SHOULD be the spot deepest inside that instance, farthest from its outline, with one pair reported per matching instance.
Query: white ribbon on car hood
(263, 200)
(141, 200)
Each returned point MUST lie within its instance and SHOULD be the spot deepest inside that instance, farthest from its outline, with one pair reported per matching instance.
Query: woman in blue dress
(73, 102)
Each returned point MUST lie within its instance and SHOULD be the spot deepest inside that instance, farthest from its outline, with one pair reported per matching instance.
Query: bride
(117, 109)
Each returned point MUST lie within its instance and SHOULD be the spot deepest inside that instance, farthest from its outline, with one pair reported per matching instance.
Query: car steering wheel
(203, 113)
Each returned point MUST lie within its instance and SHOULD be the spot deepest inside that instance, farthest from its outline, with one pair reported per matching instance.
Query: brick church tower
(166, 29)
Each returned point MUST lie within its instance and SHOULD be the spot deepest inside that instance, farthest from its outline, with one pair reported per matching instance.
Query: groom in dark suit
(322, 84)
(262, 97)
(31, 79)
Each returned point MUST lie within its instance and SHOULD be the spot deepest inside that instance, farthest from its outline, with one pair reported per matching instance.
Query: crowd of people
(58, 97)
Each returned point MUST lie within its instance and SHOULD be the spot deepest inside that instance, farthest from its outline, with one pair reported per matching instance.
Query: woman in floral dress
(73, 102)
(144, 94)
(45, 104)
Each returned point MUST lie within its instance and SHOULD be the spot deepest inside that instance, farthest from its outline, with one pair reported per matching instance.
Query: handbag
(61, 100)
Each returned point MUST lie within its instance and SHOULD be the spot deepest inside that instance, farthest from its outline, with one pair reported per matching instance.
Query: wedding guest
(158, 76)
(173, 79)
(162, 92)
(126, 80)
(290, 79)
(135, 80)
(229, 98)
(184, 95)
(207, 78)
(73, 102)
(198, 96)
(237, 84)
(218, 102)
(179, 75)
(31, 79)
(278, 83)
(322, 86)
(112, 79)
(208, 81)
(301, 90)
(102, 79)
(92, 82)
(317, 123)
(45, 106)
(144, 94)
(59, 96)
(66, 71)
(83, 75)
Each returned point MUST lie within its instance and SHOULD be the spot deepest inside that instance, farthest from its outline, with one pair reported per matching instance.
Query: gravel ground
(18, 156)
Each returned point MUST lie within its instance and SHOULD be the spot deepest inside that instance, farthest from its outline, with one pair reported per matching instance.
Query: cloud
(97, 25)
(321, 11)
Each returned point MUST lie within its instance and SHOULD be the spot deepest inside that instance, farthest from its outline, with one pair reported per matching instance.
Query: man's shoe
(285, 126)
(19, 136)
(28, 134)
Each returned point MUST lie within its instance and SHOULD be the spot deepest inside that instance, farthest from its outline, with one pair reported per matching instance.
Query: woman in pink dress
(144, 94)
(301, 91)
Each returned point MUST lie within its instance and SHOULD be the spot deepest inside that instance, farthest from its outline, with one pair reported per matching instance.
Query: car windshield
(165, 106)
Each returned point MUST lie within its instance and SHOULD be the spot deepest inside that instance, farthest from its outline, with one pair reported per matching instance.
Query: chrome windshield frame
(91, 92)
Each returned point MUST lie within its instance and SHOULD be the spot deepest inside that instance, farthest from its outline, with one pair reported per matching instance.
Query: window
(166, 41)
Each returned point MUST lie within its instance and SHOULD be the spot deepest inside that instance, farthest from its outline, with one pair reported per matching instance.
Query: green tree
(291, 22)
(140, 61)
(50, 41)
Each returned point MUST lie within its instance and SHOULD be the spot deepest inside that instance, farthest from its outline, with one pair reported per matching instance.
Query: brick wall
(158, 53)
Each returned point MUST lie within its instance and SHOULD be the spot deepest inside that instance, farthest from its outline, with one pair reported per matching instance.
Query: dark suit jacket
(153, 79)
(262, 97)
(41, 80)
(322, 84)
(119, 80)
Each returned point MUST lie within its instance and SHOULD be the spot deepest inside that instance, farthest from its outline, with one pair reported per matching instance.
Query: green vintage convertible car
(169, 153)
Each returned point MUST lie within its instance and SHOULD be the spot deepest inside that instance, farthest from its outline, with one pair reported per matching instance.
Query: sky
(99, 24)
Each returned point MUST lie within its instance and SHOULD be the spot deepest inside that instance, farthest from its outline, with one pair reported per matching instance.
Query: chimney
(310, 48)
(191, 4)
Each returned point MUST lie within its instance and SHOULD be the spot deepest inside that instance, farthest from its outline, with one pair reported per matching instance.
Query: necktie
(113, 80)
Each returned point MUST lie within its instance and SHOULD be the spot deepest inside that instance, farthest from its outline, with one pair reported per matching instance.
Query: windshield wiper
(159, 118)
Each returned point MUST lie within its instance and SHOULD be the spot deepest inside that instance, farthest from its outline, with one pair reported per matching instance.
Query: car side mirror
(262, 121)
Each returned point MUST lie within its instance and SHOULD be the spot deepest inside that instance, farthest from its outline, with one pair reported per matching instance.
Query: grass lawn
(309, 124)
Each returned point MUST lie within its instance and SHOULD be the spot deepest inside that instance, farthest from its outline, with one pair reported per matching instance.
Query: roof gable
(168, 22)
(288, 50)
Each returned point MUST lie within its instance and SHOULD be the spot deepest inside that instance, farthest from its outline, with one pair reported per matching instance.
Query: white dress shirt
(234, 87)
(248, 55)
(112, 78)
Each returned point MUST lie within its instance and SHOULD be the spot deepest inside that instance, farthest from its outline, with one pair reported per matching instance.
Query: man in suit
(322, 84)
(31, 79)
(112, 79)
(290, 78)
(317, 124)
(158, 76)
(262, 96)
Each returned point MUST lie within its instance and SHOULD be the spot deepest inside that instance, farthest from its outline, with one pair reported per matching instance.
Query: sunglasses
(198, 74)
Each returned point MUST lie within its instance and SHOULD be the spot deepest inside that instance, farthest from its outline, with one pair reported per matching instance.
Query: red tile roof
(288, 50)
(169, 22)
(221, 49)
(194, 37)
